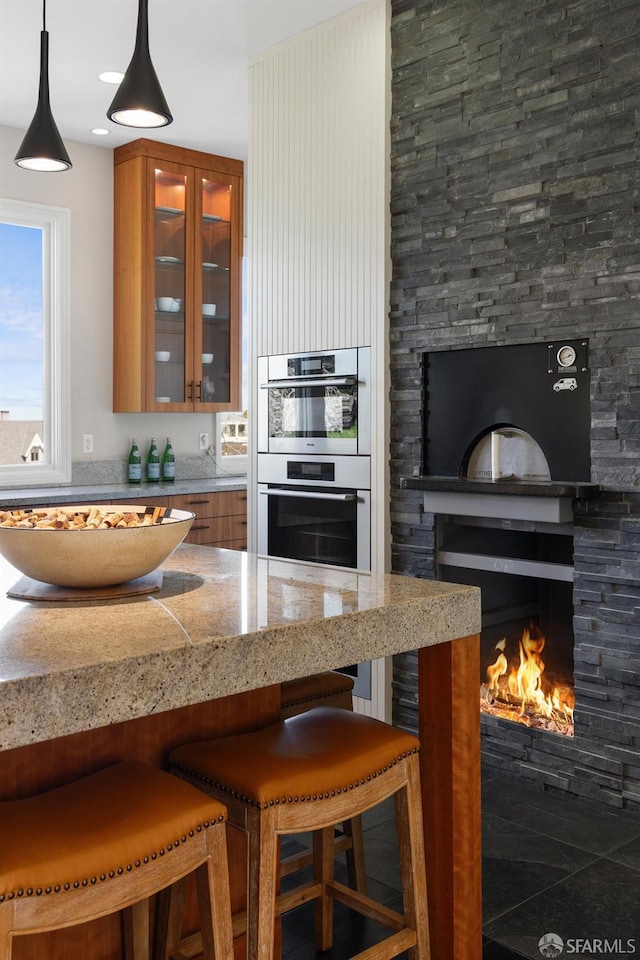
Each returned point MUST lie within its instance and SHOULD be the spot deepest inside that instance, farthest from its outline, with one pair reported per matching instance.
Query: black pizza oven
(507, 453)
(542, 389)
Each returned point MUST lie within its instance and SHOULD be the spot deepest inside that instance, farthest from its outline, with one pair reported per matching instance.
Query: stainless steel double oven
(314, 461)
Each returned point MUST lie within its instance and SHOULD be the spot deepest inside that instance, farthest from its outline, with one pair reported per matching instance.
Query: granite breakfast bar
(87, 683)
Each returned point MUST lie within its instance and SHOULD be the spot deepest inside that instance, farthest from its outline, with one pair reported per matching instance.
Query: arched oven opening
(504, 452)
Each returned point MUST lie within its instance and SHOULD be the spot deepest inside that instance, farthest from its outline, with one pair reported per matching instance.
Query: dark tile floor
(551, 864)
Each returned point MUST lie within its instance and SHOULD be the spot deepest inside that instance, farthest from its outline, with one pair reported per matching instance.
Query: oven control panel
(348, 472)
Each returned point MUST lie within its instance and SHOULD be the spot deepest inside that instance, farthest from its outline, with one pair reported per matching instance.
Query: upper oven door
(315, 403)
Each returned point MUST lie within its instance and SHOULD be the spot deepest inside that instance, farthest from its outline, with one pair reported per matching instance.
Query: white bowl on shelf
(163, 356)
(168, 304)
(207, 358)
(208, 309)
(163, 399)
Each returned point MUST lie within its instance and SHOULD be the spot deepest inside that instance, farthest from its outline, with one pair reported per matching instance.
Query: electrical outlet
(87, 443)
(204, 441)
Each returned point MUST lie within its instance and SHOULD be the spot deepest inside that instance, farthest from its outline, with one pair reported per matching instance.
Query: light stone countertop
(13, 497)
(223, 622)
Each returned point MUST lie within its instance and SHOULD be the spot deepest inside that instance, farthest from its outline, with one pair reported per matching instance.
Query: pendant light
(42, 147)
(139, 101)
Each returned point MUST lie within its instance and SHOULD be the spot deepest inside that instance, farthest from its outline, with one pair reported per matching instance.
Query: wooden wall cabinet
(177, 280)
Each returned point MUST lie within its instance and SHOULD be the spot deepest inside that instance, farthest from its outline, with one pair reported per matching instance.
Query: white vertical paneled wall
(317, 213)
(316, 180)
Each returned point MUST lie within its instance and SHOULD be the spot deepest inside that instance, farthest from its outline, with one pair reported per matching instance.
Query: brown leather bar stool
(106, 843)
(307, 774)
(327, 689)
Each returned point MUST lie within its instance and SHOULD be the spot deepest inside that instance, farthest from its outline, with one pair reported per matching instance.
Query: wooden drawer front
(216, 529)
(224, 504)
(233, 544)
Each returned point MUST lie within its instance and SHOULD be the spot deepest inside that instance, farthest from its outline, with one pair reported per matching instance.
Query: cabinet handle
(195, 502)
(200, 526)
(199, 387)
(190, 390)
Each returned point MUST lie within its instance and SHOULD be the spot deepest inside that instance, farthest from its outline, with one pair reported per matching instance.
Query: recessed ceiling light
(110, 76)
(100, 132)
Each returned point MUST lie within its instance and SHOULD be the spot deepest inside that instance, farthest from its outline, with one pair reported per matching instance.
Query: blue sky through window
(21, 362)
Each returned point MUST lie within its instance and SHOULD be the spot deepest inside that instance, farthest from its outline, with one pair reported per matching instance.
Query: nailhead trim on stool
(106, 843)
(308, 773)
(201, 779)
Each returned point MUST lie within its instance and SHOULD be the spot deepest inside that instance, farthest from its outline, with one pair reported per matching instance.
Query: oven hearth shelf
(511, 487)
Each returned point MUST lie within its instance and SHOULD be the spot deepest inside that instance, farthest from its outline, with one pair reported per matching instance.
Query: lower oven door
(315, 524)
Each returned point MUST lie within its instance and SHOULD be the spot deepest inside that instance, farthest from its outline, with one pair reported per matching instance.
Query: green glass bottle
(134, 464)
(153, 463)
(168, 463)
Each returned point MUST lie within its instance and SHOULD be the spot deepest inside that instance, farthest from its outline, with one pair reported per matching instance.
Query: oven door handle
(344, 497)
(320, 381)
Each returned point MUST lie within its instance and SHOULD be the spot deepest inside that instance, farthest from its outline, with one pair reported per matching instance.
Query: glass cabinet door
(170, 254)
(214, 340)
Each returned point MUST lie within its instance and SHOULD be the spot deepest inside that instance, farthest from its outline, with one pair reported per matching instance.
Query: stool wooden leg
(411, 850)
(263, 882)
(6, 924)
(323, 858)
(355, 855)
(214, 900)
(135, 921)
(169, 913)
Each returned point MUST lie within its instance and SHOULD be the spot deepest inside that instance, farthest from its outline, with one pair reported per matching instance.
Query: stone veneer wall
(515, 194)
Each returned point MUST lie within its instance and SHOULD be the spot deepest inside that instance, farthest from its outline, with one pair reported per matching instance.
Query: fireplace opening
(525, 572)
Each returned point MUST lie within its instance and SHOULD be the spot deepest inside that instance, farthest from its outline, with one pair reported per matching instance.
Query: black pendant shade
(42, 147)
(139, 100)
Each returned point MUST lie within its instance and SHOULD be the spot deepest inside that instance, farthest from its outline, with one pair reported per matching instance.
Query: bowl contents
(114, 542)
(95, 518)
(208, 309)
(168, 304)
(163, 356)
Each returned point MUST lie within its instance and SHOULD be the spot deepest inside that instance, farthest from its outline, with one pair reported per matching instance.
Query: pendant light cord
(44, 16)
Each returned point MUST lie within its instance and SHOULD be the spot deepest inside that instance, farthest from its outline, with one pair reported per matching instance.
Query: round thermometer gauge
(566, 356)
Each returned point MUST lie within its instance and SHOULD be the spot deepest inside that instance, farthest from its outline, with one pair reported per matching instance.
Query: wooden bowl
(94, 558)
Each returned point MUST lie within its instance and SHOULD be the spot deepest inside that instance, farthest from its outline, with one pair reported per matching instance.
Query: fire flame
(523, 683)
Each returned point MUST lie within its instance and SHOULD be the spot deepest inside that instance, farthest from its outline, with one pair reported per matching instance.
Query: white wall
(87, 191)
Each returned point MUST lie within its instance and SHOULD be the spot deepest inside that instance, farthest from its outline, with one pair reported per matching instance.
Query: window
(35, 434)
